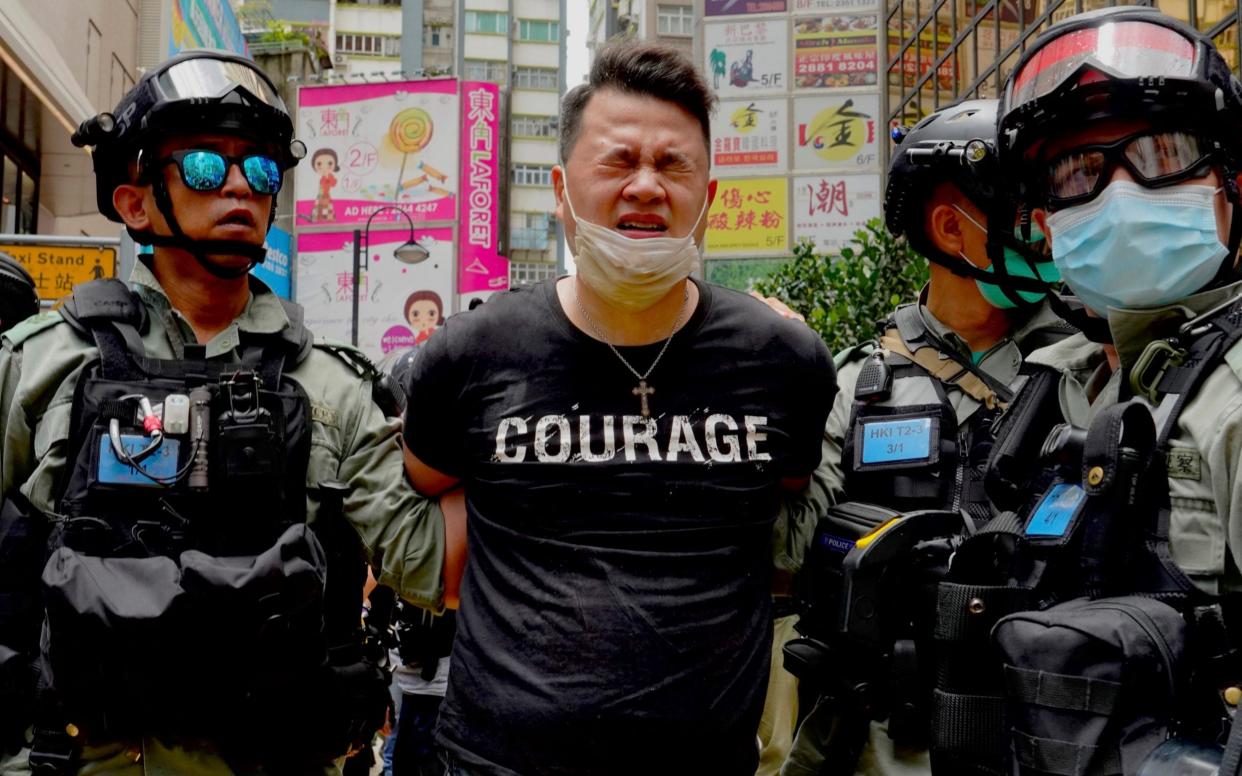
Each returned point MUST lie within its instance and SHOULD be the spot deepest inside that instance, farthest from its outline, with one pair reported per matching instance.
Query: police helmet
(954, 145)
(18, 298)
(198, 90)
(1122, 62)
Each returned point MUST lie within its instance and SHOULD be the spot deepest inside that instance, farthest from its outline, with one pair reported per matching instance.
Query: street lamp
(409, 252)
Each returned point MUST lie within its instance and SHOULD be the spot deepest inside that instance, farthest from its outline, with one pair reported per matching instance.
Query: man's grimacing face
(639, 167)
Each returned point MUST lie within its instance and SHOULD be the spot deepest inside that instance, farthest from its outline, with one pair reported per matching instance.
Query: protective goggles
(1153, 159)
(1120, 50)
(214, 77)
(207, 170)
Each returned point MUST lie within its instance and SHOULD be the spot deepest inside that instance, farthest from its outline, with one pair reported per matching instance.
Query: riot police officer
(1126, 126)
(190, 485)
(945, 367)
(18, 299)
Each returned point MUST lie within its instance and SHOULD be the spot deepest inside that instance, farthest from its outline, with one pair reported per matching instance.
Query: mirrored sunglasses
(207, 170)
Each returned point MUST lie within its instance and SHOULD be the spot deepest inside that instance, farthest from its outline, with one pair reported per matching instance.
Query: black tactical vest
(184, 593)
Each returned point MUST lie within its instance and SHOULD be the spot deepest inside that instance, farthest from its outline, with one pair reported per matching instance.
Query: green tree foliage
(843, 296)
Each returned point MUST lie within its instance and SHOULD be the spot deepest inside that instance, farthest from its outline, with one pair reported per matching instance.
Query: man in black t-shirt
(622, 436)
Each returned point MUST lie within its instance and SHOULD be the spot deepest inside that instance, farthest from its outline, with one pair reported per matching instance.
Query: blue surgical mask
(1015, 266)
(1133, 247)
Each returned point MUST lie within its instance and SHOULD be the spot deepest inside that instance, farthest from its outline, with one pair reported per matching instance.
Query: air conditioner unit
(339, 59)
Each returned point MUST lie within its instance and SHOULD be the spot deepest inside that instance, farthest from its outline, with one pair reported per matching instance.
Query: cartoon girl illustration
(324, 162)
(424, 311)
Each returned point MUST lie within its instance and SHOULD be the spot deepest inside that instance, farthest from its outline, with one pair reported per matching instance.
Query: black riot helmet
(1123, 63)
(954, 145)
(195, 91)
(18, 298)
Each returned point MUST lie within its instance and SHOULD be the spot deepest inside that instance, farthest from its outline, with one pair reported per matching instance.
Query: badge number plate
(1056, 510)
(897, 441)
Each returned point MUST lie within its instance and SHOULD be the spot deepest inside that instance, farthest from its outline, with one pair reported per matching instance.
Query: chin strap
(200, 249)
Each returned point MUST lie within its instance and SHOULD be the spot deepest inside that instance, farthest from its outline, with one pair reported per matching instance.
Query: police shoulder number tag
(897, 441)
(1056, 512)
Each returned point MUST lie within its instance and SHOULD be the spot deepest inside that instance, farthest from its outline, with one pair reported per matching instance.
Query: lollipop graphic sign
(371, 145)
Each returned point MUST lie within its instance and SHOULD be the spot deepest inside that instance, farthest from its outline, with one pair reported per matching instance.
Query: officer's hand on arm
(432, 483)
(782, 309)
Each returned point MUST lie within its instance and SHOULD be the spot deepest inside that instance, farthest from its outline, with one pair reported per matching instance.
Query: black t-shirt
(616, 600)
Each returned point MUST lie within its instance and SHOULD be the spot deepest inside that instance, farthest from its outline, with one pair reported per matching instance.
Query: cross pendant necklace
(643, 391)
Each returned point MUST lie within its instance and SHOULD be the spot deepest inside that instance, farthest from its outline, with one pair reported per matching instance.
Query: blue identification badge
(161, 464)
(898, 441)
(1056, 511)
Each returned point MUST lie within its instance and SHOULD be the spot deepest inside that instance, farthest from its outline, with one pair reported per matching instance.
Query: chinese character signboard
(746, 57)
(724, 7)
(400, 304)
(205, 24)
(56, 269)
(837, 133)
(932, 44)
(830, 208)
(371, 145)
(750, 136)
(800, 6)
(480, 268)
(749, 217)
(274, 270)
(836, 51)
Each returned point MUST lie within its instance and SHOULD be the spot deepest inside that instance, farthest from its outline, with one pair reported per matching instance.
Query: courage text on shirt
(593, 439)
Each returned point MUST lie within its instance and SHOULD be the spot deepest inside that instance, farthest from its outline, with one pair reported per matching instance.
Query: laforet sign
(56, 269)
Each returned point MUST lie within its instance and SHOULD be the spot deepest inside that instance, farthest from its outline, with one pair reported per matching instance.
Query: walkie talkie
(875, 380)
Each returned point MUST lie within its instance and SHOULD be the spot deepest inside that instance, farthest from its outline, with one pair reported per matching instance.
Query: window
(485, 70)
(527, 273)
(529, 231)
(535, 77)
(373, 45)
(534, 126)
(538, 31)
(675, 20)
(437, 37)
(532, 174)
(487, 22)
(19, 155)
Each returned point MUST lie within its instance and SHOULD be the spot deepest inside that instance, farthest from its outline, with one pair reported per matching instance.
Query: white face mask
(632, 274)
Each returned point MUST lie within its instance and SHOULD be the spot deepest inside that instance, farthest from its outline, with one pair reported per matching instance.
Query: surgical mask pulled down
(1016, 266)
(632, 274)
(1134, 247)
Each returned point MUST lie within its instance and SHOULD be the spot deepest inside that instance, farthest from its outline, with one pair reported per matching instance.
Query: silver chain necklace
(642, 390)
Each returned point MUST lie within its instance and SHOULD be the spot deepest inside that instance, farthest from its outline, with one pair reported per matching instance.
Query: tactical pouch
(122, 632)
(1090, 684)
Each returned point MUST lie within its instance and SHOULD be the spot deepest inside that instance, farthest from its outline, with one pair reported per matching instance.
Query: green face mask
(1017, 266)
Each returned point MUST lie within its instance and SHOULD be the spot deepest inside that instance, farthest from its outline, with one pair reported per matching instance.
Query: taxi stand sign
(58, 264)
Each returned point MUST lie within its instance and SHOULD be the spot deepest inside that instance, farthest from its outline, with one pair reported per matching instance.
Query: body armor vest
(184, 592)
(1085, 514)
(911, 455)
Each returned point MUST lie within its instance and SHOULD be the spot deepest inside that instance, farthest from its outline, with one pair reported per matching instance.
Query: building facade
(668, 21)
(518, 44)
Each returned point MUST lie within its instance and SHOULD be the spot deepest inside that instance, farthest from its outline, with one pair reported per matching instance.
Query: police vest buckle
(1157, 358)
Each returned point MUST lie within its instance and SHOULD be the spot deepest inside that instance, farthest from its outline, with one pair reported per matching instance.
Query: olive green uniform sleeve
(354, 443)
(795, 526)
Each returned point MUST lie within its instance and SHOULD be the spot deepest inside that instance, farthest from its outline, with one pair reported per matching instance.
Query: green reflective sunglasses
(206, 170)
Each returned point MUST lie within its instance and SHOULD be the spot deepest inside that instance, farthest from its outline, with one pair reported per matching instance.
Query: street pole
(357, 280)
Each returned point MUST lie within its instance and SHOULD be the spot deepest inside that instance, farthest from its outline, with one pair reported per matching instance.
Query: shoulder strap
(102, 301)
(944, 368)
(854, 353)
(385, 391)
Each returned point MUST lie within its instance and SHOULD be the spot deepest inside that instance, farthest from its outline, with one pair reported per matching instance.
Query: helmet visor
(1126, 49)
(214, 78)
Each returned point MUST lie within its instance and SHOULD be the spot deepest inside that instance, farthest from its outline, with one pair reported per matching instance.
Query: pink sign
(480, 268)
(375, 145)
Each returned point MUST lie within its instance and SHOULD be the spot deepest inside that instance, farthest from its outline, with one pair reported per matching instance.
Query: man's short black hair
(645, 69)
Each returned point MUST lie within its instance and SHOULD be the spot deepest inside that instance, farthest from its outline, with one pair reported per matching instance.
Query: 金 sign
(750, 136)
(836, 51)
(829, 209)
(837, 133)
(56, 269)
(749, 217)
(747, 57)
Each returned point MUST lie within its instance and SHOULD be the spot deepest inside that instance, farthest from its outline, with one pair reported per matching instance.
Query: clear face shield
(206, 77)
